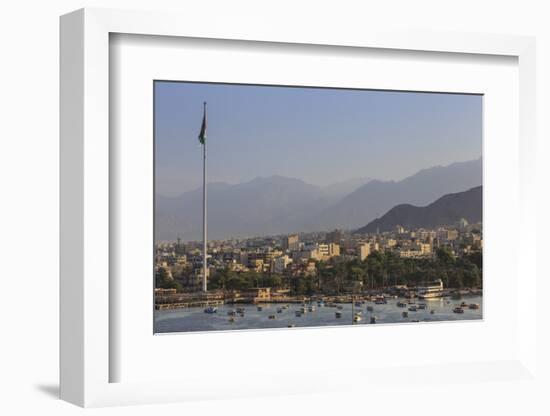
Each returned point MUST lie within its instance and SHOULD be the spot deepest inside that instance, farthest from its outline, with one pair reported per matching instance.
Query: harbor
(313, 313)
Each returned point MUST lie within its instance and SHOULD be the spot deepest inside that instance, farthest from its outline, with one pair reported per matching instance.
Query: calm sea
(194, 319)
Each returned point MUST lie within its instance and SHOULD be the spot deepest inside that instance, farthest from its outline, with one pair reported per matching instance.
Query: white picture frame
(87, 305)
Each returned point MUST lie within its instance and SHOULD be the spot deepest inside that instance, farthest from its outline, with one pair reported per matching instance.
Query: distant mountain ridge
(446, 210)
(277, 204)
(376, 197)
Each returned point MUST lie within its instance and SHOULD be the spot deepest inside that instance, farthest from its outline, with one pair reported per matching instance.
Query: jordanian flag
(202, 134)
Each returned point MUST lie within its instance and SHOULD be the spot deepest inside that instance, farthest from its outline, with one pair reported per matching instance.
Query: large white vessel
(432, 290)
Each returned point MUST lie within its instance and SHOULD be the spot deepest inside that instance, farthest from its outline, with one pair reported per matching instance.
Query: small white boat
(357, 318)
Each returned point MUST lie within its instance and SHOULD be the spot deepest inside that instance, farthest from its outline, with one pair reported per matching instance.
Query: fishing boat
(290, 325)
(357, 318)
(311, 308)
(340, 307)
(473, 306)
(259, 308)
(271, 317)
(358, 304)
(211, 309)
(401, 304)
(421, 306)
(298, 314)
(405, 314)
(380, 301)
(412, 308)
(373, 319)
(232, 313)
(463, 305)
(338, 314)
(303, 309)
(279, 310)
(458, 309)
(240, 310)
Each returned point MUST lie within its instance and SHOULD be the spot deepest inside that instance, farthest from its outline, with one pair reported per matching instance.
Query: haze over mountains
(277, 204)
(448, 209)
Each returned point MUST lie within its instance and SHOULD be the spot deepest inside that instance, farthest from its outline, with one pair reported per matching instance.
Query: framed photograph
(255, 205)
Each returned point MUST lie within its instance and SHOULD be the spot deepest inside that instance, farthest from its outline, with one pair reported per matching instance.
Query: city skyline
(351, 133)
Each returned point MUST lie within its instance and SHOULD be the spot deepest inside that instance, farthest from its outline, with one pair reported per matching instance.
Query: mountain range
(277, 204)
(446, 210)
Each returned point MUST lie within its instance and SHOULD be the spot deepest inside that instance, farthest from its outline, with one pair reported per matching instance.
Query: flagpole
(204, 241)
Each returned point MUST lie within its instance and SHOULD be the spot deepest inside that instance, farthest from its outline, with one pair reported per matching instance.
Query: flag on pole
(202, 134)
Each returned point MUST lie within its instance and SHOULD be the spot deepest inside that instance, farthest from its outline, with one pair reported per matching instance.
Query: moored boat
(473, 306)
(458, 309)
(338, 314)
(211, 309)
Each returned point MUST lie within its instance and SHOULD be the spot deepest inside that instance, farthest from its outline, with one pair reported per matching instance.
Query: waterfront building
(291, 242)
(363, 251)
(334, 237)
(279, 264)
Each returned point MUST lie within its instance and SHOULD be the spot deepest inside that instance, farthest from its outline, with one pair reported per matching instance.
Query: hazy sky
(319, 135)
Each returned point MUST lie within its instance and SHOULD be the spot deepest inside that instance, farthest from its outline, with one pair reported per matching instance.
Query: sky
(319, 135)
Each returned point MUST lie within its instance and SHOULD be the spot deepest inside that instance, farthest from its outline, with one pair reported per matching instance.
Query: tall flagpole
(204, 241)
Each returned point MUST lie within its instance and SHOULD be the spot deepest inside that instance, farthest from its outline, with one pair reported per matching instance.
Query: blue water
(194, 319)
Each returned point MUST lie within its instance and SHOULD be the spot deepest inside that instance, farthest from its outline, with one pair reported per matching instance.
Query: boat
(405, 314)
(260, 309)
(380, 301)
(421, 306)
(458, 309)
(401, 304)
(241, 314)
(357, 318)
(415, 320)
(298, 314)
(412, 308)
(311, 308)
(463, 305)
(430, 291)
(370, 309)
(432, 311)
(303, 309)
(231, 319)
(271, 317)
(290, 325)
(211, 309)
(358, 304)
(279, 310)
(473, 306)
(240, 310)
(338, 314)
(373, 319)
(340, 307)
